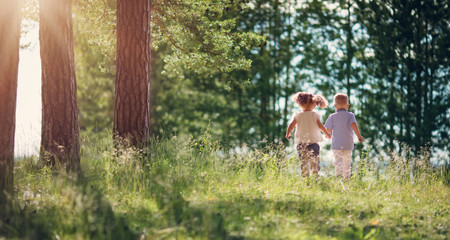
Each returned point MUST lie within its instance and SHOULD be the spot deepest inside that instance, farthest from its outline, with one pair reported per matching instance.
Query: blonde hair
(304, 98)
(341, 99)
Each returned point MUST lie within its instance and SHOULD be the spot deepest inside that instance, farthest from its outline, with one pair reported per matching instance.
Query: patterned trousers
(309, 158)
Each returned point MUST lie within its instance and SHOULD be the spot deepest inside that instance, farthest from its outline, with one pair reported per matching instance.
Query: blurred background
(391, 57)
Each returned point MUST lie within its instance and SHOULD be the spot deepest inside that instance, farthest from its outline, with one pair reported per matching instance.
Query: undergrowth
(186, 188)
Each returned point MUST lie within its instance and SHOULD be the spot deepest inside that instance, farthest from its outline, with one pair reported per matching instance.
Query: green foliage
(203, 37)
(94, 33)
(94, 26)
(191, 42)
(185, 188)
(201, 72)
(408, 75)
(390, 57)
(95, 87)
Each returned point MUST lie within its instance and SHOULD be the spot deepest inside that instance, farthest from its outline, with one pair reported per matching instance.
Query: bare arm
(290, 128)
(356, 129)
(323, 129)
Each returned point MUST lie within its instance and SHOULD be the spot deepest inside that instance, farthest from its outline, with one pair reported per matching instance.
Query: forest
(166, 119)
(234, 68)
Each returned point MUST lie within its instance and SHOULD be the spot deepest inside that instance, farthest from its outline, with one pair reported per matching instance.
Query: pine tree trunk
(348, 42)
(132, 97)
(9, 60)
(287, 84)
(60, 131)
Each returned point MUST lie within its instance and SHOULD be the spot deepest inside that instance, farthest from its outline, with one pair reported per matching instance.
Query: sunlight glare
(28, 110)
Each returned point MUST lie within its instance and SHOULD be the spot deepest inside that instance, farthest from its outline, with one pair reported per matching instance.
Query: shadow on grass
(79, 212)
(270, 217)
(179, 217)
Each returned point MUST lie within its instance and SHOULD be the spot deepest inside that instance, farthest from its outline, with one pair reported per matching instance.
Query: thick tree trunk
(132, 97)
(9, 60)
(60, 131)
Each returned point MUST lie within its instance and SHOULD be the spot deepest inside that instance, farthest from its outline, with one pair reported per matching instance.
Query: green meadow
(187, 83)
(186, 188)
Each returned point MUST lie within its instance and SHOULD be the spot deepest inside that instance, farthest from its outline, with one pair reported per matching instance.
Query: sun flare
(28, 110)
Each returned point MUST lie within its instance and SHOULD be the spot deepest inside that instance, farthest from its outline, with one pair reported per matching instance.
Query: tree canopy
(231, 65)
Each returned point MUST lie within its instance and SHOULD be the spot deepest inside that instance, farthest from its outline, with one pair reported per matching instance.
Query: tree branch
(169, 38)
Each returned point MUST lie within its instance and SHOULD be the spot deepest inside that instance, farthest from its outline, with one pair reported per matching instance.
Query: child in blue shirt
(342, 124)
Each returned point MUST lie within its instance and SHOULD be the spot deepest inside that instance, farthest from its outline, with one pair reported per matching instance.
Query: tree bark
(348, 43)
(132, 96)
(60, 131)
(9, 61)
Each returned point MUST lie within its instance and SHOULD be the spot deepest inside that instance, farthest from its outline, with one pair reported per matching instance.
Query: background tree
(9, 59)
(132, 97)
(409, 99)
(60, 131)
(200, 45)
(95, 51)
(260, 100)
(195, 39)
(201, 74)
(310, 46)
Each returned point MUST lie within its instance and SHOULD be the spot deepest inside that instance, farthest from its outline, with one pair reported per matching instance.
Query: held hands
(360, 138)
(327, 135)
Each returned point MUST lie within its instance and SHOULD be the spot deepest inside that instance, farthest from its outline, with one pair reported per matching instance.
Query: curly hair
(304, 98)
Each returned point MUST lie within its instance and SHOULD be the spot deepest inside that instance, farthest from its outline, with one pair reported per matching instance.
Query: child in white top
(307, 130)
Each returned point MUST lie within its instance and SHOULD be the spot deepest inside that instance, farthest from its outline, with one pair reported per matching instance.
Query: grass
(184, 188)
